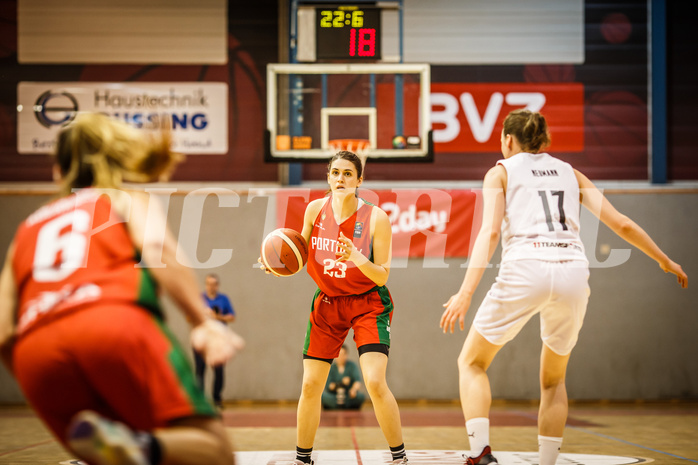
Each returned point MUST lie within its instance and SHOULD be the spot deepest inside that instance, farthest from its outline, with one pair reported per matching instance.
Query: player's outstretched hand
(681, 276)
(456, 308)
(216, 342)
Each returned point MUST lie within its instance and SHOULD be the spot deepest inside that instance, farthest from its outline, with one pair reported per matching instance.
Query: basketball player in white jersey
(532, 200)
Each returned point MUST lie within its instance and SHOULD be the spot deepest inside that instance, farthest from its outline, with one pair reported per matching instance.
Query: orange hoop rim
(351, 145)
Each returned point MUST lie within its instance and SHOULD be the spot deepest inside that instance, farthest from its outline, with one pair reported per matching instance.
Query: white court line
(431, 457)
(630, 443)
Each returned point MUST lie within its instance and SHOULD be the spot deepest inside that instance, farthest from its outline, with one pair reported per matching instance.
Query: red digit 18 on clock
(366, 46)
(348, 32)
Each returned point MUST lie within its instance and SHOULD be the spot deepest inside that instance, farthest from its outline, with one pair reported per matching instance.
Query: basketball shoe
(104, 442)
(484, 458)
(400, 461)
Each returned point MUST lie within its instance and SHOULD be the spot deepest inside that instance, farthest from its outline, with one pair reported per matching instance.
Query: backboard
(309, 105)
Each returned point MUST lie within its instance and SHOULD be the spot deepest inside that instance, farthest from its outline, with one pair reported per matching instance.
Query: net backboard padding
(309, 105)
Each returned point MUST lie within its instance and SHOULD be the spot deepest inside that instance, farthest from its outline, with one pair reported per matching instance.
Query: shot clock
(347, 32)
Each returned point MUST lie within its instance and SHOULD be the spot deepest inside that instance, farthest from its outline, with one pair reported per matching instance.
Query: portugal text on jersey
(338, 277)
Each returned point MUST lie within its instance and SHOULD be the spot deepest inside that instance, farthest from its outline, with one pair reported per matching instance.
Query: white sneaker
(400, 461)
(101, 441)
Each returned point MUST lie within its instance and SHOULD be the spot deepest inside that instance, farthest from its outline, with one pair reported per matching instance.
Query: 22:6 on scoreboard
(348, 33)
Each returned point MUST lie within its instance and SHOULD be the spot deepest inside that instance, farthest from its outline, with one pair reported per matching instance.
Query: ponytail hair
(529, 128)
(99, 151)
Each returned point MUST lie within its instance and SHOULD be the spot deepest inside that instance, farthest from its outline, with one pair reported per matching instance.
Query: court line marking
(424, 457)
(356, 446)
(584, 430)
(48, 441)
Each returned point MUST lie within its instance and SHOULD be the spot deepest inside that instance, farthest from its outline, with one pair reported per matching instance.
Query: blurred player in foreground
(81, 327)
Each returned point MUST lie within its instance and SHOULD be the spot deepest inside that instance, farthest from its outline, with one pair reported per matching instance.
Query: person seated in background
(342, 390)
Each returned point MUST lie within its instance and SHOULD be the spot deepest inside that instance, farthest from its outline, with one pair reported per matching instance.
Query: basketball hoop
(358, 146)
(351, 145)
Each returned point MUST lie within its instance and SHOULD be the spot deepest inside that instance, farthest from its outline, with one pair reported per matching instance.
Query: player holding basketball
(349, 259)
(80, 323)
(534, 199)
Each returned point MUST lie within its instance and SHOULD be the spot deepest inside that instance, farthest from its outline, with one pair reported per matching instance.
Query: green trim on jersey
(383, 320)
(306, 344)
(148, 291)
(367, 202)
(370, 255)
(185, 374)
(148, 294)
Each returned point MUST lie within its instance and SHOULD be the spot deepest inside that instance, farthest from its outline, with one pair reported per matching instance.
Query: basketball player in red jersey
(532, 200)
(349, 258)
(80, 324)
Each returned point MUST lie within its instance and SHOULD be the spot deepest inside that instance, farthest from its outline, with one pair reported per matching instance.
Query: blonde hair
(529, 128)
(99, 151)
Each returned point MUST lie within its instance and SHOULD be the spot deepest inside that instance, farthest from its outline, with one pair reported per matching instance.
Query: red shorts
(368, 314)
(115, 359)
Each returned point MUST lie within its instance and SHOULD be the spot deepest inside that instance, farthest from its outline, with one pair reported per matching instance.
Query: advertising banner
(199, 111)
(425, 222)
(467, 117)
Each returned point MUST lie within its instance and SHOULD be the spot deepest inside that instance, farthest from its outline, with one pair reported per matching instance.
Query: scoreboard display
(348, 32)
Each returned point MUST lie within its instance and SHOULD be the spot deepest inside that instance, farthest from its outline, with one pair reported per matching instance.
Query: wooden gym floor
(663, 432)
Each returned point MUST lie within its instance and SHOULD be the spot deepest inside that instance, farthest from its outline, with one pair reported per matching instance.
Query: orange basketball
(284, 252)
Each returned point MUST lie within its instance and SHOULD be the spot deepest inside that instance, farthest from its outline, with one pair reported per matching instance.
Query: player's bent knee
(206, 435)
(466, 362)
(376, 386)
(551, 382)
(312, 388)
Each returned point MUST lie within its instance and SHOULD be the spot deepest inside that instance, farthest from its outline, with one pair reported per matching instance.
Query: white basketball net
(359, 146)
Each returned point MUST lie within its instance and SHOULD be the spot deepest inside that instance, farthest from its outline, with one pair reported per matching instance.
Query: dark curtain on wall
(682, 93)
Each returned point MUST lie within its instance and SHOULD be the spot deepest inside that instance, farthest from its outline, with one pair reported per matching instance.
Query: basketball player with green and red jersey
(80, 322)
(349, 243)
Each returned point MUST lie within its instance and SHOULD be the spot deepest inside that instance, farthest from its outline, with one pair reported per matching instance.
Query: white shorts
(559, 291)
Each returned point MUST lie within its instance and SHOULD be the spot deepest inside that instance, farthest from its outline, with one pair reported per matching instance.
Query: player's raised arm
(149, 232)
(598, 204)
(485, 244)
